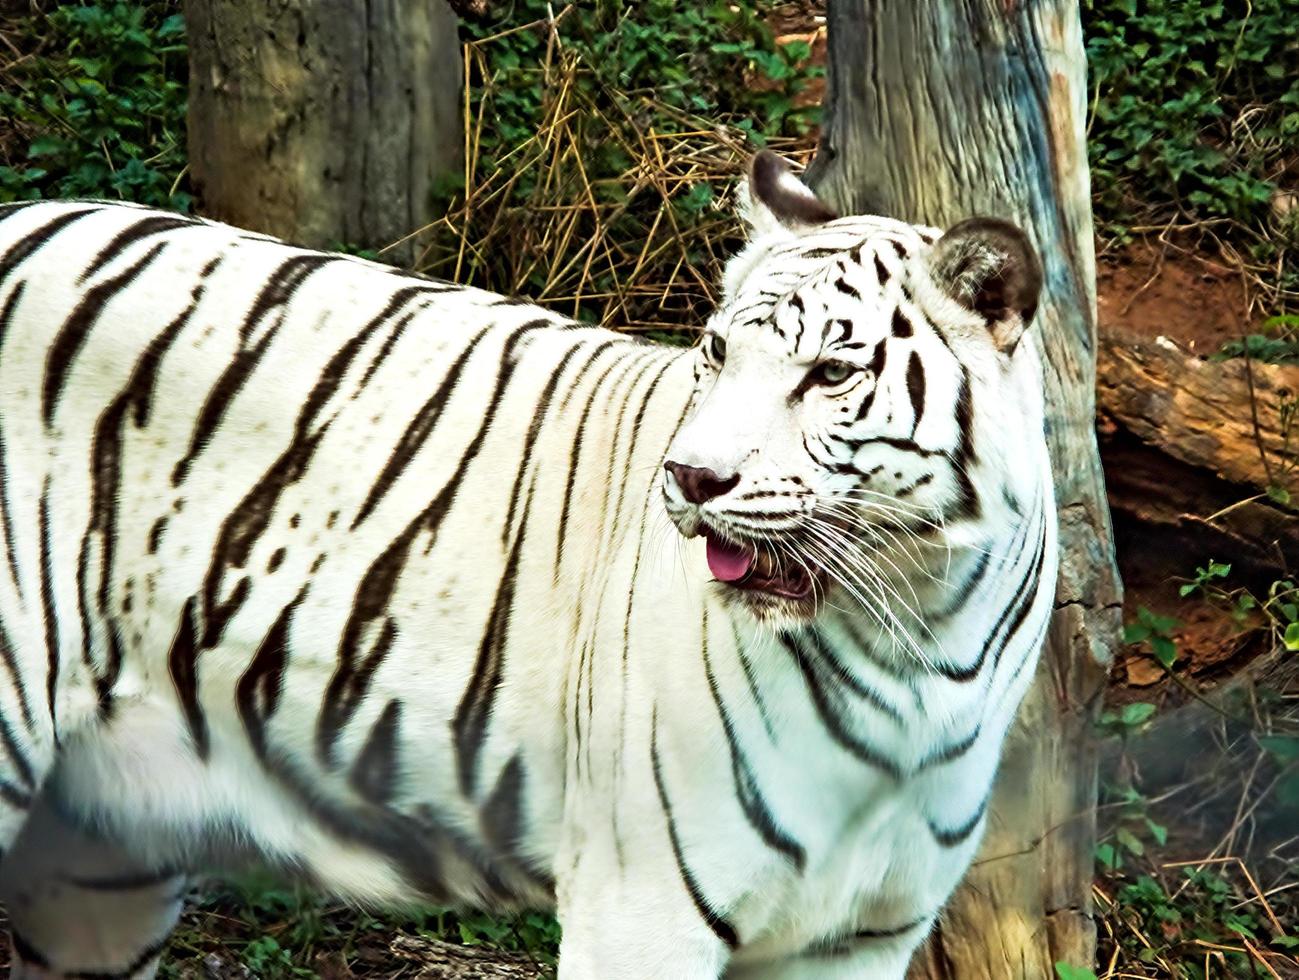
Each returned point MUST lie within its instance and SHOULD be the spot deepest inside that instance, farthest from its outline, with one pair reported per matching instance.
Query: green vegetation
(95, 104)
(279, 932)
(1195, 122)
(1180, 896)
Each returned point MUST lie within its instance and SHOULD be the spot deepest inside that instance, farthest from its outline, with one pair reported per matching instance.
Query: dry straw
(640, 250)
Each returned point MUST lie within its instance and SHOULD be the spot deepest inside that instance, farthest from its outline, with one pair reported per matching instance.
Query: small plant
(1157, 633)
(1132, 829)
(1278, 344)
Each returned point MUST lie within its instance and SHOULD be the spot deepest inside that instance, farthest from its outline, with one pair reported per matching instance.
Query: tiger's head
(861, 384)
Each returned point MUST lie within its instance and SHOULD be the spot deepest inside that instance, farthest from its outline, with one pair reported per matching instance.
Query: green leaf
(1130, 841)
(1064, 971)
(1291, 638)
(1136, 713)
(1158, 831)
(1108, 856)
(1284, 748)
(1165, 650)
(1135, 632)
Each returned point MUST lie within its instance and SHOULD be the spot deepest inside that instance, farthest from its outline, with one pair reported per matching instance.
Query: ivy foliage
(97, 108)
(1195, 108)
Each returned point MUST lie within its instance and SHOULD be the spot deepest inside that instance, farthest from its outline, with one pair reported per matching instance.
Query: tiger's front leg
(79, 906)
(629, 931)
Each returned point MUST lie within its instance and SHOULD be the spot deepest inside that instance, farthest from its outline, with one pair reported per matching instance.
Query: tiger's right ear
(774, 198)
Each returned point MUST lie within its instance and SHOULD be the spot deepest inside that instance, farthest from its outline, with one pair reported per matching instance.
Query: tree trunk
(323, 122)
(938, 111)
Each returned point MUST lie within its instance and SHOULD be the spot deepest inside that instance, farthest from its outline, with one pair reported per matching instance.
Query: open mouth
(742, 566)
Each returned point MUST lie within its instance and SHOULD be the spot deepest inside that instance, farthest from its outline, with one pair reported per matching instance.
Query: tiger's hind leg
(79, 906)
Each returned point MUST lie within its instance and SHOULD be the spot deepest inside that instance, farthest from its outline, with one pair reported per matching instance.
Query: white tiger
(373, 579)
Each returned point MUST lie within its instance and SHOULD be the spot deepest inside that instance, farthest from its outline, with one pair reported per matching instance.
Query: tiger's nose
(699, 484)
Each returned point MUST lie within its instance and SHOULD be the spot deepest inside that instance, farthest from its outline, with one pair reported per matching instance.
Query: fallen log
(1191, 448)
(1235, 418)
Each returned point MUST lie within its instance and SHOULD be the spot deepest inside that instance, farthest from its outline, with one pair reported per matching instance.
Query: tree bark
(322, 121)
(938, 111)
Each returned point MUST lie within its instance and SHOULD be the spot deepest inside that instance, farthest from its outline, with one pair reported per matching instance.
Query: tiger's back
(174, 435)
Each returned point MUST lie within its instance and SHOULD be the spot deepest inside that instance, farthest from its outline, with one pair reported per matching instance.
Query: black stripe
(47, 605)
(248, 521)
(958, 835)
(949, 752)
(967, 502)
(826, 654)
(752, 681)
(374, 773)
(965, 590)
(916, 389)
(72, 333)
(503, 818)
(143, 959)
(6, 516)
(25, 951)
(258, 691)
(12, 748)
(722, 929)
(1025, 592)
(390, 341)
(278, 291)
(831, 713)
(903, 492)
(15, 797)
(876, 366)
(625, 479)
(375, 589)
(126, 882)
(747, 790)
(614, 439)
(574, 458)
(105, 480)
(154, 224)
(15, 678)
(182, 664)
(349, 685)
(415, 434)
(31, 242)
(541, 412)
(847, 288)
(901, 324)
(469, 725)
(426, 850)
(1027, 599)
(881, 271)
(849, 945)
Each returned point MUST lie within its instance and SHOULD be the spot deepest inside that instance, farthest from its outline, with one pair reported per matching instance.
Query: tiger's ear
(775, 198)
(990, 267)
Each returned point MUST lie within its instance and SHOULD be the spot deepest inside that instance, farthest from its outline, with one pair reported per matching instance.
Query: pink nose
(699, 484)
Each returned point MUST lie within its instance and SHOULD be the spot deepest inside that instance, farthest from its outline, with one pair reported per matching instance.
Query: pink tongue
(728, 562)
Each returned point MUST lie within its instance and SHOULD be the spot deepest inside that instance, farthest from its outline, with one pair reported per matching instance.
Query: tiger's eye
(715, 348)
(833, 372)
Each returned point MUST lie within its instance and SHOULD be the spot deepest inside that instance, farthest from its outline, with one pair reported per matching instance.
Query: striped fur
(374, 579)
